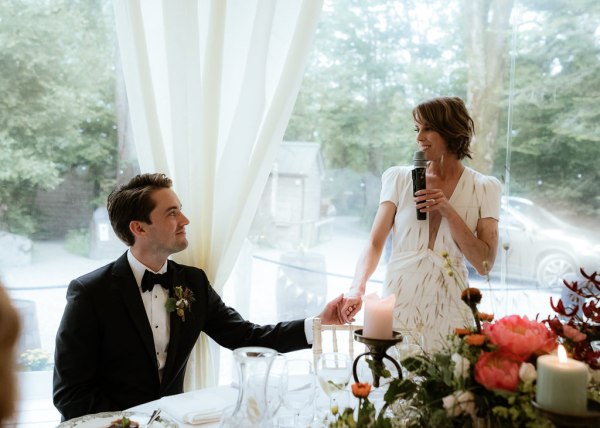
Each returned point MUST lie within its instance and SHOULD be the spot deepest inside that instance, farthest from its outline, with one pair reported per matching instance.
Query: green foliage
(365, 75)
(57, 104)
(77, 242)
(373, 61)
(556, 128)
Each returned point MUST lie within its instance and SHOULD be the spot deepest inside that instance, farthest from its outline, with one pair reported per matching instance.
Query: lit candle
(562, 383)
(378, 316)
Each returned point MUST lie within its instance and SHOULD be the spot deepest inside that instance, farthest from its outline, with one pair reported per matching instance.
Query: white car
(539, 246)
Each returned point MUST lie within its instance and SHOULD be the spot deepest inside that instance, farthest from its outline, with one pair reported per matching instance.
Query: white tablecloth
(220, 395)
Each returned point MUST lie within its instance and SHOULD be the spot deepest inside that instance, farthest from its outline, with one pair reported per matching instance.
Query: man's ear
(138, 228)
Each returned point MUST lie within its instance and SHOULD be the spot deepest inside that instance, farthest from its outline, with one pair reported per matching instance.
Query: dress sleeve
(389, 185)
(491, 195)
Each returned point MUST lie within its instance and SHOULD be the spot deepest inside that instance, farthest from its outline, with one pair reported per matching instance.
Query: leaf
(404, 388)
(171, 304)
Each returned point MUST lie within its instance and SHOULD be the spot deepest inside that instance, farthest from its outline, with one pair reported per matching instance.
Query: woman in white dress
(462, 209)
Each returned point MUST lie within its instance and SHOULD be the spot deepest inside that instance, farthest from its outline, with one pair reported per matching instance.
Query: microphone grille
(419, 159)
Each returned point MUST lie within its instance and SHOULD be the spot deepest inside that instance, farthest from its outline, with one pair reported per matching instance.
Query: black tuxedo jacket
(105, 358)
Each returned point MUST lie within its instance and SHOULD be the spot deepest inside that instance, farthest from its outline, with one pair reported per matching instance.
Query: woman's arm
(369, 259)
(479, 248)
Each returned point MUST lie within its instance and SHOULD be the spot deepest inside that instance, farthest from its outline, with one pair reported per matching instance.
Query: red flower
(573, 334)
(520, 337)
(497, 370)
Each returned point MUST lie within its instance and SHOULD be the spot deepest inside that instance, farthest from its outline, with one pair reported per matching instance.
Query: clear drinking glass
(299, 391)
(333, 371)
(277, 383)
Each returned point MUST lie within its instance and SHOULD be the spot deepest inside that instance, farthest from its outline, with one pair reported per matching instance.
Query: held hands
(350, 306)
(341, 310)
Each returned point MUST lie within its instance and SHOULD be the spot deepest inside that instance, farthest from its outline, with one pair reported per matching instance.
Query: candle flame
(562, 354)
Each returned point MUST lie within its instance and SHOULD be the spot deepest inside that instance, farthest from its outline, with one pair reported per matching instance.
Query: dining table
(204, 405)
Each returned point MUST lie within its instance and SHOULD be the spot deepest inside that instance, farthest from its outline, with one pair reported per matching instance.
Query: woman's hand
(429, 200)
(350, 307)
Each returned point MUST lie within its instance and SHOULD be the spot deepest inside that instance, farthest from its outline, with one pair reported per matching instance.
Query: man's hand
(332, 312)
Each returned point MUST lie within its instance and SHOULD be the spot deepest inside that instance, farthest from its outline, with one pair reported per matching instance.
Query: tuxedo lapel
(125, 283)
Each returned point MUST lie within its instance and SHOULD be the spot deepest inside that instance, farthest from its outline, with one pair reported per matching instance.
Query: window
(529, 72)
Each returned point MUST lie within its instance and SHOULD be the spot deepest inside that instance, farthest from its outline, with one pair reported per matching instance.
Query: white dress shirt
(154, 303)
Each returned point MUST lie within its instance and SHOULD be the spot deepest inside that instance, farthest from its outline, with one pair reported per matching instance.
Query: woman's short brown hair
(450, 118)
(9, 333)
(133, 201)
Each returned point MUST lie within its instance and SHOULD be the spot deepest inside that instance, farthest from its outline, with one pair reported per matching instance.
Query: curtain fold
(211, 86)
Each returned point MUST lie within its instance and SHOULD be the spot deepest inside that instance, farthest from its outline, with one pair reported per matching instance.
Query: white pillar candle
(562, 383)
(378, 316)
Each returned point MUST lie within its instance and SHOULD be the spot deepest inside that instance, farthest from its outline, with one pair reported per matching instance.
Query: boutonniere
(181, 302)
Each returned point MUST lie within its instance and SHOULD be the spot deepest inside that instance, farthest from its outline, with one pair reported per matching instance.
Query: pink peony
(573, 334)
(496, 370)
(520, 336)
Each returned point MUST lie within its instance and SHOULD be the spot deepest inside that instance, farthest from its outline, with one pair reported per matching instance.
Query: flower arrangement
(366, 415)
(485, 375)
(182, 302)
(577, 322)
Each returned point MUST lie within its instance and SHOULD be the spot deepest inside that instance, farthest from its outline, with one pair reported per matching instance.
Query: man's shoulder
(102, 273)
(196, 275)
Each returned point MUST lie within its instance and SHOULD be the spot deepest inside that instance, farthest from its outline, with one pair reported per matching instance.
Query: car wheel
(552, 269)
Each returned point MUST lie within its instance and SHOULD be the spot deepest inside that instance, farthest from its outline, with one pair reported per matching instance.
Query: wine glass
(299, 390)
(276, 383)
(333, 371)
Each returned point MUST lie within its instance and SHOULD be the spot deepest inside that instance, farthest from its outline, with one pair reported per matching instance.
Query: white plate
(104, 420)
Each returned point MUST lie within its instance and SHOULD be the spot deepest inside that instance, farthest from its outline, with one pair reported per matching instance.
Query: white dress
(427, 299)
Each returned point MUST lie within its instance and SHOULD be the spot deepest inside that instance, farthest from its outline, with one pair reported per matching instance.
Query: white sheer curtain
(211, 86)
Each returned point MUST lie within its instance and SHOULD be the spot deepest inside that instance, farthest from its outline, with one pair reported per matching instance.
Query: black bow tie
(149, 280)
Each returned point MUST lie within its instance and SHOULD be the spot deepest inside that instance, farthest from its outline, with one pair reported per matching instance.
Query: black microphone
(418, 177)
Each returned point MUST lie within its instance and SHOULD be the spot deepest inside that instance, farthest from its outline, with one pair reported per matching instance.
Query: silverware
(154, 416)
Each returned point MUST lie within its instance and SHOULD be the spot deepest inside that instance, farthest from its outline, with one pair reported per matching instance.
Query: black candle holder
(377, 349)
(561, 420)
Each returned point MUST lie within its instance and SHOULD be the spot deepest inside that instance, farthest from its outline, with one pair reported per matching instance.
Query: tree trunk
(486, 36)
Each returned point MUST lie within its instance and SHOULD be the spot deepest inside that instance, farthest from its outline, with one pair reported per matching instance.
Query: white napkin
(197, 408)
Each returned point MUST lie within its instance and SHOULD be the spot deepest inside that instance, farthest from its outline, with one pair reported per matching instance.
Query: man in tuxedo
(129, 327)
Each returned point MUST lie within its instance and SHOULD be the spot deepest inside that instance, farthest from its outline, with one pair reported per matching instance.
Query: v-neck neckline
(450, 199)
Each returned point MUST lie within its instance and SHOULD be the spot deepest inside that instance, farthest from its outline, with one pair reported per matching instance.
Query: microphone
(418, 177)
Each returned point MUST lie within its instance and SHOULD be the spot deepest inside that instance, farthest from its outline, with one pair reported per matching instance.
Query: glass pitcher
(251, 409)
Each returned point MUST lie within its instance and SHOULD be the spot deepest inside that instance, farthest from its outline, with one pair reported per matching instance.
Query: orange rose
(462, 332)
(486, 317)
(361, 390)
(475, 339)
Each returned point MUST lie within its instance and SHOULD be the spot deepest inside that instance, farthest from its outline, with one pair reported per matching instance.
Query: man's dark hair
(133, 201)
(449, 117)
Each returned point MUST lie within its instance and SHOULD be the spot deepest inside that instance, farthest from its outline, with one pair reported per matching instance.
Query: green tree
(56, 109)
(486, 32)
(372, 62)
(554, 141)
